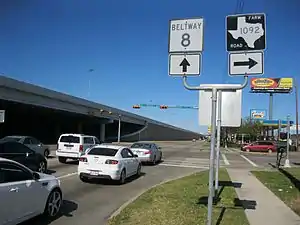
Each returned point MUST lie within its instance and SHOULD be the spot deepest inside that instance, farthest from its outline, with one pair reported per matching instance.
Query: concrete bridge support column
(79, 128)
(102, 132)
(57, 131)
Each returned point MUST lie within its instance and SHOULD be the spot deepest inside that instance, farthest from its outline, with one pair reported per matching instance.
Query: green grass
(176, 203)
(282, 186)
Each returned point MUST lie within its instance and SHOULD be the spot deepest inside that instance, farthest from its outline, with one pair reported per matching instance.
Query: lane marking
(67, 175)
(225, 159)
(249, 161)
(184, 166)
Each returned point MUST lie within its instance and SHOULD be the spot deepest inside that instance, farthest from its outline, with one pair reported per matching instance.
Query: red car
(260, 146)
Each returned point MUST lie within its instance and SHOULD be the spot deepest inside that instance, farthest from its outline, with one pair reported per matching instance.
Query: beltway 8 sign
(186, 35)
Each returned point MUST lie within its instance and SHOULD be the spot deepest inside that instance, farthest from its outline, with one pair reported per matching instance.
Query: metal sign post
(287, 160)
(218, 140)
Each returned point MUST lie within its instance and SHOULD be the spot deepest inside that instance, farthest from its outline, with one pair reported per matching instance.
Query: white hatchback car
(108, 162)
(25, 194)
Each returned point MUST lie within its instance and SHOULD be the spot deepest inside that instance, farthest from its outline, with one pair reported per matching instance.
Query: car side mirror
(135, 155)
(36, 176)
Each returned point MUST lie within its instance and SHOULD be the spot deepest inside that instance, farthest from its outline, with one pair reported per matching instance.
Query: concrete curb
(119, 210)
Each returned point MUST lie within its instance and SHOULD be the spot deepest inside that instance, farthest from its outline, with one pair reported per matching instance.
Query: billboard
(258, 114)
(271, 85)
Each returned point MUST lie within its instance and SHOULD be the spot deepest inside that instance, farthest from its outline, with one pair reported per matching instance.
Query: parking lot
(93, 203)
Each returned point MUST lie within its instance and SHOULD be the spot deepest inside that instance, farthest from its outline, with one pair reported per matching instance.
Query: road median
(183, 201)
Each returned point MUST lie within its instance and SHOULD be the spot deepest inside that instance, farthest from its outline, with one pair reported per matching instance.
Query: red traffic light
(163, 107)
(136, 107)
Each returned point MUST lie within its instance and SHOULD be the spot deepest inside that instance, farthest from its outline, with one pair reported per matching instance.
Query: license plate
(94, 173)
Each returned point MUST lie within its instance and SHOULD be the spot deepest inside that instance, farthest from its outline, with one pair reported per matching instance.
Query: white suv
(72, 146)
(25, 194)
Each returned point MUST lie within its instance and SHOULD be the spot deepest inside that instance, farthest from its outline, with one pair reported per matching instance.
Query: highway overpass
(45, 114)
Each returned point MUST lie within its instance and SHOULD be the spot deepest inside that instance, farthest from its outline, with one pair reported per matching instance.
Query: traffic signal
(163, 107)
(136, 106)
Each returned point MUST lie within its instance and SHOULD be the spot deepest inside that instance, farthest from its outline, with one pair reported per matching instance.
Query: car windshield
(141, 145)
(103, 151)
(11, 139)
(70, 139)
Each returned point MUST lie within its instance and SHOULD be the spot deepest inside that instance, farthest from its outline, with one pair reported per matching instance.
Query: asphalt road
(93, 203)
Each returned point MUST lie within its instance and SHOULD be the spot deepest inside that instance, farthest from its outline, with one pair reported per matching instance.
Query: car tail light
(147, 153)
(109, 161)
(83, 159)
(81, 148)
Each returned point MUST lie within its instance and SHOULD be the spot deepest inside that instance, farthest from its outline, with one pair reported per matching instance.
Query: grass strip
(177, 203)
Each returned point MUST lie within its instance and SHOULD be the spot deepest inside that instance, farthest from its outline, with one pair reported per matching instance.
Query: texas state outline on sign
(249, 38)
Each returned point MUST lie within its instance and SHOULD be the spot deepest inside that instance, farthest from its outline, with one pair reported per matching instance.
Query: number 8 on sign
(185, 42)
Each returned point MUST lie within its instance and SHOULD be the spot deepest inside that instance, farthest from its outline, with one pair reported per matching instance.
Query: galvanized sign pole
(218, 139)
(287, 160)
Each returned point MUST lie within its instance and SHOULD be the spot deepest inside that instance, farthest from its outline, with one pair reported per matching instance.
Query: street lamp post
(119, 130)
(297, 122)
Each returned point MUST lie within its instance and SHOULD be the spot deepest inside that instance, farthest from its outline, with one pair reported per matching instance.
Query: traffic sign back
(246, 32)
(186, 35)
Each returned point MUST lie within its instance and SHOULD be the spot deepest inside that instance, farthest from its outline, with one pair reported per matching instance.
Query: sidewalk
(270, 210)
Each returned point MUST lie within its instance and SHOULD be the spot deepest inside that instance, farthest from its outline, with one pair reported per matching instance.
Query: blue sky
(55, 43)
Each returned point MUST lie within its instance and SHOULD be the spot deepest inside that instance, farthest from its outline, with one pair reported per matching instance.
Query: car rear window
(11, 139)
(141, 145)
(103, 151)
(69, 139)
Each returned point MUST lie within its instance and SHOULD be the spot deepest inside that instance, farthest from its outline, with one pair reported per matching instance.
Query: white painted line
(67, 175)
(249, 161)
(225, 159)
(184, 166)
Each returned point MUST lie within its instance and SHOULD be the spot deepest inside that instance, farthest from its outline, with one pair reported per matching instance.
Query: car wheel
(138, 171)
(270, 151)
(42, 167)
(53, 203)
(46, 153)
(122, 177)
(62, 159)
(160, 157)
(83, 178)
(154, 160)
(247, 150)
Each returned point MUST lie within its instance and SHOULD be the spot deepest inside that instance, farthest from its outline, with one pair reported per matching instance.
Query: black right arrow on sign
(250, 63)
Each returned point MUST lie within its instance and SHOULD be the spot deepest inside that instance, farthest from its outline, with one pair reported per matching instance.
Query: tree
(250, 127)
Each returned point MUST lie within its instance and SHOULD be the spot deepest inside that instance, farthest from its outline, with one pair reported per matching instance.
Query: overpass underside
(48, 124)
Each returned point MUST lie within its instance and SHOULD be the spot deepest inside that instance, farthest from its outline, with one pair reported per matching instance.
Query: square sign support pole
(218, 140)
(212, 150)
(214, 89)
